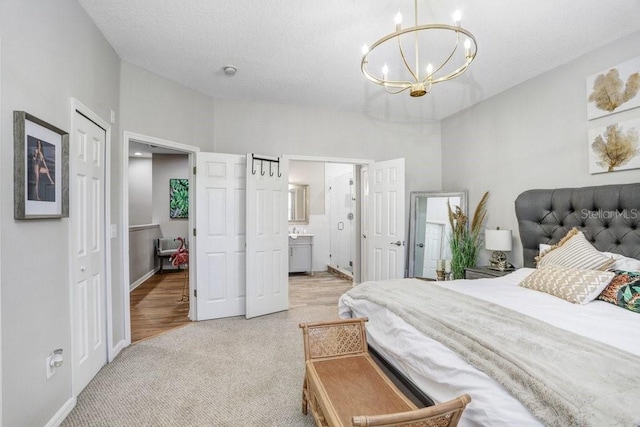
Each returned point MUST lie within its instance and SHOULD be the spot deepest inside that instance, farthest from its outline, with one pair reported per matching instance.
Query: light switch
(114, 231)
(113, 117)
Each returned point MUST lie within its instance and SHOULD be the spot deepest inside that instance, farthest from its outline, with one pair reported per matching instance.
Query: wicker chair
(342, 384)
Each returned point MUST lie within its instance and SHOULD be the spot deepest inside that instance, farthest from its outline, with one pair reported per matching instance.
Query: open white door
(364, 224)
(386, 230)
(267, 237)
(220, 235)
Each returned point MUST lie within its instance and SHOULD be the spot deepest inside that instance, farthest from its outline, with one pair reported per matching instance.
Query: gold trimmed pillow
(576, 252)
(572, 284)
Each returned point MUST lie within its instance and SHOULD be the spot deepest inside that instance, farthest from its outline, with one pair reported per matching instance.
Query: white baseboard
(142, 279)
(117, 349)
(59, 417)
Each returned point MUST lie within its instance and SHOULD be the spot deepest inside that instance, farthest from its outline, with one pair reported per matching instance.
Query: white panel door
(364, 224)
(87, 226)
(267, 236)
(220, 235)
(386, 229)
(433, 239)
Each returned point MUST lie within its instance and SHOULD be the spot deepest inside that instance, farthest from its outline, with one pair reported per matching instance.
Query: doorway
(334, 212)
(155, 217)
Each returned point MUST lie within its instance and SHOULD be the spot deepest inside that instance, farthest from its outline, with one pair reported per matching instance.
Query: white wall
(274, 129)
(142, 254)
(165, 167)
(45, 62)
(140, 190)
(531, 136)
(154, 106)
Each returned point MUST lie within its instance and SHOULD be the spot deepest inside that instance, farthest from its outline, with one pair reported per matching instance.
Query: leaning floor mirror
(429, 230)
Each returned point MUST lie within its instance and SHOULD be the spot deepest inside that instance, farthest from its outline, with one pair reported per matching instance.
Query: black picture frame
(41, 169)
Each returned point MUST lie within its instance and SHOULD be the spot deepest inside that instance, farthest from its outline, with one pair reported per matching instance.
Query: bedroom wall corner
(534, 135)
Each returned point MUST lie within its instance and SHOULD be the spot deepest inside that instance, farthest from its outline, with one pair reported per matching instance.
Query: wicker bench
(343, 386)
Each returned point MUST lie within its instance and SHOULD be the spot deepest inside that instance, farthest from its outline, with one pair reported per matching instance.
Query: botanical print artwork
(614, 90)
(178, 198)
(614, 147)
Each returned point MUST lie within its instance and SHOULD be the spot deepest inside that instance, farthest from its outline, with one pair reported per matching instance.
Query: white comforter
(443, 375)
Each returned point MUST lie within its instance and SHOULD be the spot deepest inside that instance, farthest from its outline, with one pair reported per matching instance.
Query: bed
(576, 364)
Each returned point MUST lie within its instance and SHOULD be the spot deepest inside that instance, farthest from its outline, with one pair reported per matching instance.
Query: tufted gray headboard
(608, 215)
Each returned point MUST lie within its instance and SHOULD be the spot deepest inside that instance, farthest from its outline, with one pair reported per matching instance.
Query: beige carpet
(228, 372)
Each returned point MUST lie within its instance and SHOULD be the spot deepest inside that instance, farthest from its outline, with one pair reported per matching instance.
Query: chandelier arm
(392, 83)
(395, 92)
(458, 71)
(443, 63)
(453, 74)
(405, 60)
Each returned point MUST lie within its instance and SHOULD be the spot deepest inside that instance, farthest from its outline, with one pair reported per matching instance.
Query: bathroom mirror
(429, 229)
(298, 205)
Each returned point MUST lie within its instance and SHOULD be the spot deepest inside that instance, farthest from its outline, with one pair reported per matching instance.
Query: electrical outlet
(50, 369)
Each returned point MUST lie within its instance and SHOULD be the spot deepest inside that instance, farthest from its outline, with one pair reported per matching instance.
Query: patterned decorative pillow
(576, 252)
(624, 290)
(571, 284)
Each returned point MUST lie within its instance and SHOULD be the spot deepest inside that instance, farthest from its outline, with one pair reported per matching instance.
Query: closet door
(386, 230)
(220, 236)
(267, 235)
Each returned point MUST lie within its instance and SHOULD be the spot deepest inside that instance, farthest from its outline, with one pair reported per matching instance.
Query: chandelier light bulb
(365, 49)
(467, 48)
(429, 68)
(457, 17)
(398, 18)
(385, 70)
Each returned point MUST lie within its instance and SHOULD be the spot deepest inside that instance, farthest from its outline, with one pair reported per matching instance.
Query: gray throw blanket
(564, 379)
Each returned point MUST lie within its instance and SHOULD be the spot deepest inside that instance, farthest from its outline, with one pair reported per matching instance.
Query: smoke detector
(229, 70)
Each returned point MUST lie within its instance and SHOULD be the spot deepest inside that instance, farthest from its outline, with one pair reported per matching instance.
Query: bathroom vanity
(301, 253)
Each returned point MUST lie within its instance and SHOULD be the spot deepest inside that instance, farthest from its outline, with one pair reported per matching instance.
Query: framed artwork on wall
(40, 168)
(615, 147)
(613, 90)
(178, 198)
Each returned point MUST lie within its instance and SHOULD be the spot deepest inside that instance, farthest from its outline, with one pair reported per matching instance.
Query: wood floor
(323, 288)
(156, 305)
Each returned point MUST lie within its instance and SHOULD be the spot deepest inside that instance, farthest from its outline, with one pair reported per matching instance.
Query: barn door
(267, 236)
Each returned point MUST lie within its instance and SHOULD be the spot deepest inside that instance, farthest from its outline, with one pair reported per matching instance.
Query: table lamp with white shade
(498, 241)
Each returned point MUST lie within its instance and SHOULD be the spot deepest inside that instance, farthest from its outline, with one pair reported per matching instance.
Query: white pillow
(543, 247)
(622, 262)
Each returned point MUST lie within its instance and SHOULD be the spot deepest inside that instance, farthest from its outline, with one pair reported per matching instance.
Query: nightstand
(483, 273)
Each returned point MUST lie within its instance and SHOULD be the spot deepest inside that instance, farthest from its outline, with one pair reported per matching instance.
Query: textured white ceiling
(308, 52)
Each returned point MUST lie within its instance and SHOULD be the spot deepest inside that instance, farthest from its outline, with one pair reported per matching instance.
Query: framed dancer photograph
(41, 168)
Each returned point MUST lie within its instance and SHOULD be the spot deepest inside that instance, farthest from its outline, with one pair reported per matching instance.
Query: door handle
(420, 245)
(398, 243)
(364, 236)
(83, 268)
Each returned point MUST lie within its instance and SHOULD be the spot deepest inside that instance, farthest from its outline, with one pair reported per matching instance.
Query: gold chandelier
(435, 47)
